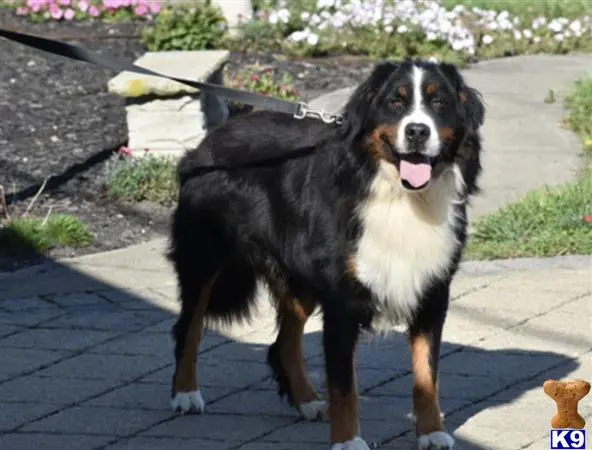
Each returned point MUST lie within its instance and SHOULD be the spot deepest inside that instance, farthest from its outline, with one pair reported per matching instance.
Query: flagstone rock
(164, 117)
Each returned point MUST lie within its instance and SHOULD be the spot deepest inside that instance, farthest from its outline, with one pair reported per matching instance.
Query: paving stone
(111, 318)
(27, 304)
(56, 339)
(37, 441)
(152, 396)
(142, 343)
(114, 367)
(254, 403)
(155, 443)
(16, 414)
(464, 328)
(6, 330)
(217, 427)
(453, 386)
(508, 366)
(513, 299)
(16, 361)
(58, 391)
(31, 318)
(231, 373)
(318, 432)
(561, 281)
(78, 300)
(281, 446)
(579, 307)
(85, 420)
(495, 439)
(140, 299)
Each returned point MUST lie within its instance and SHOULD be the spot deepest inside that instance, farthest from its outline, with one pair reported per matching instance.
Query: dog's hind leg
(287, 360)
(188, 332)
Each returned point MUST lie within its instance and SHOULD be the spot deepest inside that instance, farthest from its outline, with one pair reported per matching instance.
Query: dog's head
(418, 117)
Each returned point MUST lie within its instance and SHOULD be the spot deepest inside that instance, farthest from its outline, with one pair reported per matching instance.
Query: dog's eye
(438, 103)
(397, 103)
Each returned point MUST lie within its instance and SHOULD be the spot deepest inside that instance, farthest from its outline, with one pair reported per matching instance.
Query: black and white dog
(368, 223)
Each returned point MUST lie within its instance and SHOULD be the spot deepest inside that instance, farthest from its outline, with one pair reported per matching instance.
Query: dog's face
(415, 116)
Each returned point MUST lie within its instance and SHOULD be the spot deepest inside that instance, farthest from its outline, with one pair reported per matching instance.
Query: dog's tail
(214, 109)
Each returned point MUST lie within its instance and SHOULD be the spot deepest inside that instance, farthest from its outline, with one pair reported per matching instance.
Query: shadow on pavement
(87, 356)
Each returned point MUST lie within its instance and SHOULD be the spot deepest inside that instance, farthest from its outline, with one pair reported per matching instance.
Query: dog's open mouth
(415, 171)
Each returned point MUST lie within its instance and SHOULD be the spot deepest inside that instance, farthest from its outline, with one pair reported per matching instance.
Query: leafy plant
(198, 28)
(265, 81)
(145, 178)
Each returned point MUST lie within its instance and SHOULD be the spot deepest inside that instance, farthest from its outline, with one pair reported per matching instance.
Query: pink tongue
(416, 174)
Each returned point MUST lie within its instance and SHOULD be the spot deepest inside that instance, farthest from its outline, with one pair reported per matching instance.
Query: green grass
(579, 119)
(145, 178)
(32, 234)
(547, 222)
(530, 8)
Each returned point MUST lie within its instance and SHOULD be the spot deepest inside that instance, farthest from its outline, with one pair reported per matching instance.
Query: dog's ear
(469, 98)
(360, 103)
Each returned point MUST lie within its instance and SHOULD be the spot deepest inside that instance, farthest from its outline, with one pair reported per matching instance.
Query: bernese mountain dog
(366, 220)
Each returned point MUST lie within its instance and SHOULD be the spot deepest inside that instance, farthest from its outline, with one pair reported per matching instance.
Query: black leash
(298, 110)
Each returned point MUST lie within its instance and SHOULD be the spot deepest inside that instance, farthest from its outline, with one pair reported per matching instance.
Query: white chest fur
(407, 238)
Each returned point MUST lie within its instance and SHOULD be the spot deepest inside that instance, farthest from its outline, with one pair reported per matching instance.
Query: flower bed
(383, 28)
(375, 28)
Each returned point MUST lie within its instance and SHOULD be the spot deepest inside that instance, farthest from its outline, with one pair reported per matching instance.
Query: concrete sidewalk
(86, 354)
(87, 361)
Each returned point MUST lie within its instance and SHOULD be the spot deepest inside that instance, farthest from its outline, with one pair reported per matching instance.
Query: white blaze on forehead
(418, 114)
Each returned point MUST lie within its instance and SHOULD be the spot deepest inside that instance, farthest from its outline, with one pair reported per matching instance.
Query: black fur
(292, 221)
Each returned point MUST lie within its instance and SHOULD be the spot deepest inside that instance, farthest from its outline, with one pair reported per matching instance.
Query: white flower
(304, 16)
(555, 25)
(284, 15)
(487, 39)
(388, 29)
(559, 37)
(537, 39)
(517, 35)
(527, 33)
(297, 36)
(576, 26)
(312, 39)
(325, 4)
(401, 29)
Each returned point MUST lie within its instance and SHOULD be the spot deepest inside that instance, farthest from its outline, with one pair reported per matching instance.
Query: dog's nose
(417, 133)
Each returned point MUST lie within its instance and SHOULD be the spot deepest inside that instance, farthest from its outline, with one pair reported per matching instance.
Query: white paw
(315, 410)
(356, 443)
(438, 440)
(188, 401)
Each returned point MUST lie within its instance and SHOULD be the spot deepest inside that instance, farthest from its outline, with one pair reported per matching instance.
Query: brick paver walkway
(86, 361)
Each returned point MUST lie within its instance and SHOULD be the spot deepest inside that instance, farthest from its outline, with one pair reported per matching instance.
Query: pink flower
(93, 11)
(155, 7)
(55, 12)
(65, 2)
(83, 5)
(69, 14)
(125, 151)
(141, 10)
(22, 11)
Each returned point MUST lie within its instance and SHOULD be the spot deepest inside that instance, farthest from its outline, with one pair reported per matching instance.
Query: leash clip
(306, 111)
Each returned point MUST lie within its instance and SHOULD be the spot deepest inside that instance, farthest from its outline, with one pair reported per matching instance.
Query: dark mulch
(57, 120)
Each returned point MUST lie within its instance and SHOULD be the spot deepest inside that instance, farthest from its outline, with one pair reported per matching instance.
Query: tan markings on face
(446, 133)
(425, 389)
(431, 88)
(381, 134)
(402, 91)
(463, 97)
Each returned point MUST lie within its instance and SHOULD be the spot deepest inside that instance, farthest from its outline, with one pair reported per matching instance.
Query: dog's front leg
(340, 335)
(425, 336)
